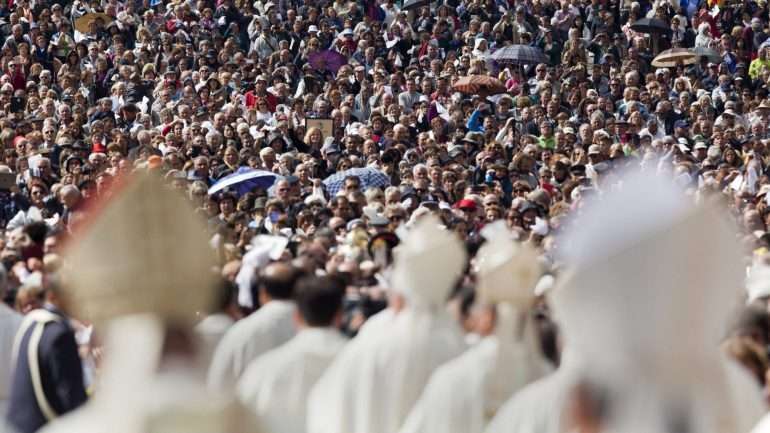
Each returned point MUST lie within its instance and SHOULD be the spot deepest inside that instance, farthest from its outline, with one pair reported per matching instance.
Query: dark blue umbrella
(244, 180)
(369, 176)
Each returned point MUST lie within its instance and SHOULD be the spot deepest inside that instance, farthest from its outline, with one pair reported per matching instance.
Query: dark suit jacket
(61, 374)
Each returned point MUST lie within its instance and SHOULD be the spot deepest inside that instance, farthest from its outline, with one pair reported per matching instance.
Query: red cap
(466, 203)
(98, 148)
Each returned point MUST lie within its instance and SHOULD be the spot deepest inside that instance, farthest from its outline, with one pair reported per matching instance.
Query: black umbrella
(519, 55)
(414, 4)
(651, 26)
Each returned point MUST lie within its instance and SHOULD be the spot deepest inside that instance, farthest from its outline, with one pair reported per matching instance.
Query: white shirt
(9, 324)
(275, 386)
(267, 328)
(376, 379)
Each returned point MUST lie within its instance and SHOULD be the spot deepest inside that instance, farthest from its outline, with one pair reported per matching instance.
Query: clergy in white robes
(464, 394)
(646, 299)
(265, 329)
(210, 331)
(275, 386)
(373, 383)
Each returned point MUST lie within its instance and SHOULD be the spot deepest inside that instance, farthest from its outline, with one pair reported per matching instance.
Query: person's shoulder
(270, 362)
(260, 321)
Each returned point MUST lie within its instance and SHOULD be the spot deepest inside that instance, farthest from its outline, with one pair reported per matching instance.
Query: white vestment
(267, 328)
(211, 330)
(465, 393)
(9, 324)
(376, 379)
(276, 385)
(538, 407)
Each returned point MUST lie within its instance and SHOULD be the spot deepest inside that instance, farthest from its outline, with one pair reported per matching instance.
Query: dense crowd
(350, 120)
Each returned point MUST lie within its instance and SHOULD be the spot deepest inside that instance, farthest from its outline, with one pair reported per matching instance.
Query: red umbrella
(479, 84)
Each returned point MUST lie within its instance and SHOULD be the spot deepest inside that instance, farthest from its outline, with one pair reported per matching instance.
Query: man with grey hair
(70, 197)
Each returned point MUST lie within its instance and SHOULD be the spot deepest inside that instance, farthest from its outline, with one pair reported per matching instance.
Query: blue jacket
(61, 375)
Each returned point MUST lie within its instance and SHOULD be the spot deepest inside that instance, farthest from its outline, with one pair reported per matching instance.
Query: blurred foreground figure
(464, 394)
(652, 283)
(145, 298)
(373, 384)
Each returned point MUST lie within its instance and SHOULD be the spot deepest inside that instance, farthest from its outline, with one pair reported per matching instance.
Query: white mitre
(652, 284)
(428, 262)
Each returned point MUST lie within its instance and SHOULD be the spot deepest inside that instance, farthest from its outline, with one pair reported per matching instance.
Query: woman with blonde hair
(314, 138)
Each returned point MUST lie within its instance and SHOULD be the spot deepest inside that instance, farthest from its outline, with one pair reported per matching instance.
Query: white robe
(487, 375)
(275, 386)
(211, 330)
(537, 408)
(526, 411)
(374, 382)
(267, 328)
(9, 324)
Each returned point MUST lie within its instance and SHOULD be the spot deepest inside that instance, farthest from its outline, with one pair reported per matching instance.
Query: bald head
(277, 281)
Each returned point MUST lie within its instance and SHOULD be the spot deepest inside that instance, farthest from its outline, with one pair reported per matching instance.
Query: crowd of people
(353, 112)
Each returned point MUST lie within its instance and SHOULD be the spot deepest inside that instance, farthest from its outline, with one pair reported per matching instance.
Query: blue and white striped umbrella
(244, 180)
(369, 176)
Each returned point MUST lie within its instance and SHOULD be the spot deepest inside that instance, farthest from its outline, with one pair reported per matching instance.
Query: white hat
(428, 262)
(507, 271)
(312, 29)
